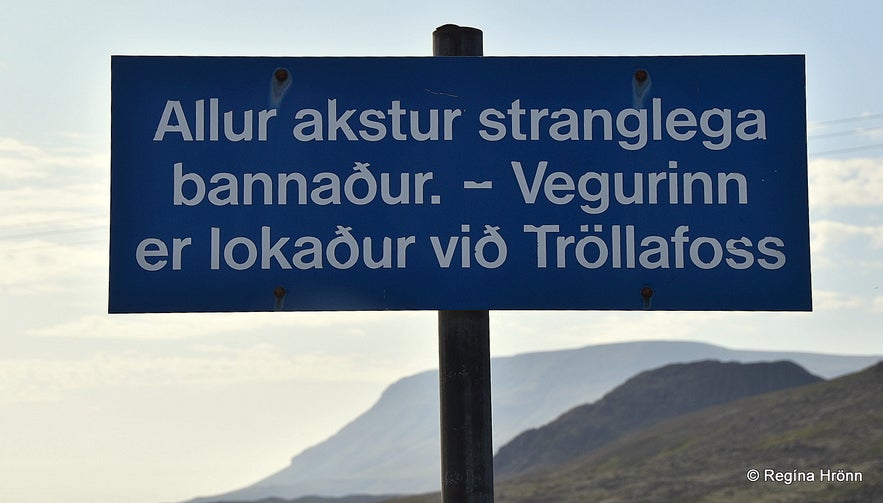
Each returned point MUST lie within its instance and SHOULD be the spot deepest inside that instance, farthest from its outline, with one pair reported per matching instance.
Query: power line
(846, 150)
(49, 232)
(851, 132)
(59, 222)
(847, 119)
(844, 133)
(46, 246)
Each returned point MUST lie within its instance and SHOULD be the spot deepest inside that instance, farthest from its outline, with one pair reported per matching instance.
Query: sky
(155, 408)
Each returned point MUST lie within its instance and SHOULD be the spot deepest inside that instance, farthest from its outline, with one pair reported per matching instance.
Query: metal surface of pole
(464, 360)
(465, 394)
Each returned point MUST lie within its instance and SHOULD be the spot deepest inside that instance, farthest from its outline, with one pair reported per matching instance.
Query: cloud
(53, 207)
(42, 379)
(37, 266)
(208, 350)
(578, 328)
(20, 161)
(846, 182)
(53, 217)
(845, 246)
(825, 233)
(158, 326)
(190, 325)
(57, 188)
(824, 300)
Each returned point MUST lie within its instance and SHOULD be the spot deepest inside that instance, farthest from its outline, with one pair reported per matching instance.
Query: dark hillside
(646, 399)
(704, 457)
(319, 499)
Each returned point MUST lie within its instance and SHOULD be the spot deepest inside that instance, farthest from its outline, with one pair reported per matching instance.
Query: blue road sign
(254, 184)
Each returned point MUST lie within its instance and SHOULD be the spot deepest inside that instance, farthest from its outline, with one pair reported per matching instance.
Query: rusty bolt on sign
(279, 293)
(279, 85)
(647, 295)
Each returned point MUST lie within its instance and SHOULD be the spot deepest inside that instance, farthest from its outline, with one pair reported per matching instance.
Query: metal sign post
(464, 360)
(465, 394)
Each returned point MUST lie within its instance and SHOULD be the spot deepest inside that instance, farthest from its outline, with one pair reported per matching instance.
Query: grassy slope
(704, 457)
(641, 402)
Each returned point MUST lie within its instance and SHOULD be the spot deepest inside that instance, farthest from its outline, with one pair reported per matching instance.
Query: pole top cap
(455, 40)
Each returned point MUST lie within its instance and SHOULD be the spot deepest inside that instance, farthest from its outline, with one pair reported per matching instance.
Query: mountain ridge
(647, 398)
(829, 425)
(355, 498)
(393, 447)
(707, 456)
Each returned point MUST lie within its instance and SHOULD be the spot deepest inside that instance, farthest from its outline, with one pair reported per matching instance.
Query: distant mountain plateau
(393, 448)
